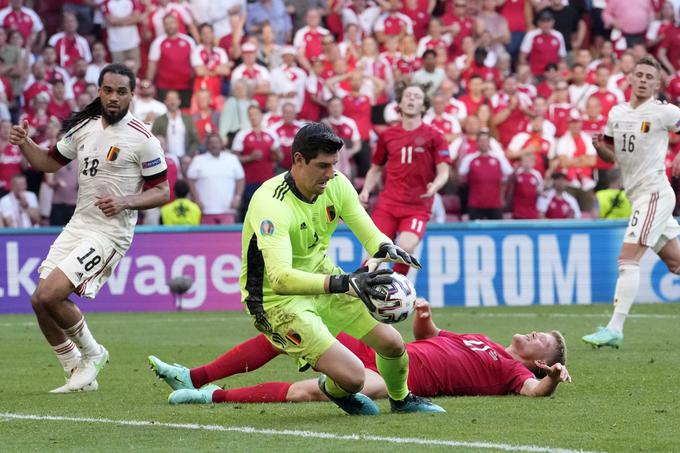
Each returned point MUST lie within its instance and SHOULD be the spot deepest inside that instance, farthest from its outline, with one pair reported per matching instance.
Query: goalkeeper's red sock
(247, 356)
(401, 268)
(269, 392)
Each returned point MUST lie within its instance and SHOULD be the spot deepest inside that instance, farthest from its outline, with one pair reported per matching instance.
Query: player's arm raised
(604, 145)
(38, 157)
(423, 325)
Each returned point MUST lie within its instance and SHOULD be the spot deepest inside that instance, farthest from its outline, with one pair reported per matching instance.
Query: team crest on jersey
(266, 228)
(646, 125)
(330, 213)
(294, 337)
(112, 154)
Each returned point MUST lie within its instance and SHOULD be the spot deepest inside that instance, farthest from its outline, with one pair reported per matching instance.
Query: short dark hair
(314, 139)
(429, 52)
(650, 61)
(181, 188)
(426, 99)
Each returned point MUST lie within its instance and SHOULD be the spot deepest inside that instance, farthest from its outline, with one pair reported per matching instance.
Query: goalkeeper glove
(395, 253)
(361, 284)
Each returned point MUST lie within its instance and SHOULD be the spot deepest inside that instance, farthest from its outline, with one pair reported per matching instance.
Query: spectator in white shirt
(144, 105)
(122, 18)
(216, 181)
(19, 208)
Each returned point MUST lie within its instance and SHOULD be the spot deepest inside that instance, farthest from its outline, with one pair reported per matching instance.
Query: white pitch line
(242, 320)
(293, 433)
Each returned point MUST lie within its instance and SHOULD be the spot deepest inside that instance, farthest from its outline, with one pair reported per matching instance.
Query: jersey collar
(293, 188)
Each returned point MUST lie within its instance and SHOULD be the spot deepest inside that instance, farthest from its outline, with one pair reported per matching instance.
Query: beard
(113, 119)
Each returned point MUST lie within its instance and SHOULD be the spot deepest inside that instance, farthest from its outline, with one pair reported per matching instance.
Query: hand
(256, 155)
(422, 308)
(18, 134)
(676, 165)
(363, 198)
(396, 254)
(21, 198)
(362, 285)
(557, 372)
(430, 191)
(111, 205)
(598, 141)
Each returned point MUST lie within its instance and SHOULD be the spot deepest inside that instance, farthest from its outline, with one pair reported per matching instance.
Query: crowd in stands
(518, 87)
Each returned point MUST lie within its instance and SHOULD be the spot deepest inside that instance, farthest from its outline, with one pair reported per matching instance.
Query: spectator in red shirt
(510, 108)
(520, 15)
(459, 23)
(345, 128)
(474, 97)
(38, 117)
(210, 63)
(621, 80)
(558, 203)
(255, 75)
(308, 39)
(258, 151)
(206, 118)
(543, 45)
(285, 129)
(392, 22)
(656, 32)
(577, 159)
(525, 187)
(420, 13)
(669, 49)
(69, 45)
(58, 106)
(26, 21)
(533, 142)
(10, 158)
(484, 175)
(559, 109)
(170, 62)
(608, 96)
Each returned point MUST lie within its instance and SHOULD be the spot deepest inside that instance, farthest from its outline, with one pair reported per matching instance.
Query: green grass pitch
(620, 400)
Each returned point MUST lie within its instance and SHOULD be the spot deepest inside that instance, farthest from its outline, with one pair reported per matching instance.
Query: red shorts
(391, 221)
(359, 349)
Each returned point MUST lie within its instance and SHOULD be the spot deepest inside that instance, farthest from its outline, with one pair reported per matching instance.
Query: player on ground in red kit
(415, 160)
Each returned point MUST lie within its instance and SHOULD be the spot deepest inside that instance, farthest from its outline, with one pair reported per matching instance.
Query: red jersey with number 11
(410, 159)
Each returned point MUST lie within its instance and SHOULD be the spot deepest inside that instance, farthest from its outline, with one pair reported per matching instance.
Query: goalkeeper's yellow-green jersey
(285, 238)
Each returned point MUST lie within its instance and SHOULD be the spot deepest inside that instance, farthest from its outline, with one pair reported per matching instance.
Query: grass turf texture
(620, 400)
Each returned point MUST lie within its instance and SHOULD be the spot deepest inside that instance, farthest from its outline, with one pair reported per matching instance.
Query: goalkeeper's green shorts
(306, 326)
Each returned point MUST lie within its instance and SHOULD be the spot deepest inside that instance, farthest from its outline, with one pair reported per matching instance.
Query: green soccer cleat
(353, 404)
(193, 396)
(176, 376)
(413, 403)
(604, 337)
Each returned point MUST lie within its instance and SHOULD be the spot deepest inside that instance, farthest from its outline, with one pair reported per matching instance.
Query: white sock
(68, 355)
(627, 286)
(82, 337)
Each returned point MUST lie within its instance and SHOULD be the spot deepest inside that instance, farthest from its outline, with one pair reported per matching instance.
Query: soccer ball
(399, 301)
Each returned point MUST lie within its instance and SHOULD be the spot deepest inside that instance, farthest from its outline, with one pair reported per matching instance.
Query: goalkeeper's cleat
(604, 337)
(353, 404)
(414, 403)
(87, 370)
(176, 376)
(193, 396)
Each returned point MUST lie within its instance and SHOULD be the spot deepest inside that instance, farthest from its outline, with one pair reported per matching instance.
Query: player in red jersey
(415, 159)
(441, 363)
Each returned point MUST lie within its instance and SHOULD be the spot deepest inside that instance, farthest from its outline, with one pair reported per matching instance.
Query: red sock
(269, 392)
(401, 268)
(247, 356)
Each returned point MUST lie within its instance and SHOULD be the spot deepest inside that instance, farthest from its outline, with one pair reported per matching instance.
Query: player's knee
(352, 384)
(392, 347)
(40, 300)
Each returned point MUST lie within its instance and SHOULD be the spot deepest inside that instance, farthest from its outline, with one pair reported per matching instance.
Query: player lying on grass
(442, 363)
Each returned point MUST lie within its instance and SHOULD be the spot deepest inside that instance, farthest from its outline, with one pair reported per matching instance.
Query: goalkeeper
(442, 364)
(299, 299)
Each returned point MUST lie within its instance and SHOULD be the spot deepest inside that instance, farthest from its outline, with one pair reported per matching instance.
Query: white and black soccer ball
(399, 301)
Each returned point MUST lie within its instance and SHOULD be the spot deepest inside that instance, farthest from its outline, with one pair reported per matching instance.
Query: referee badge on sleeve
(112, 154)
(646, 125)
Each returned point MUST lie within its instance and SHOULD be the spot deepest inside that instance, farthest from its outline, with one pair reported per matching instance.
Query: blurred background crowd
(518, 87)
